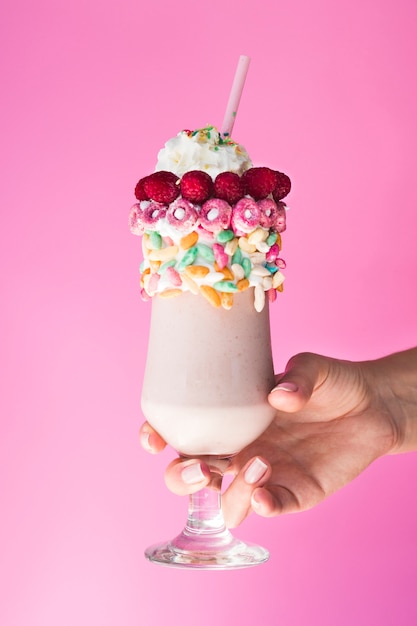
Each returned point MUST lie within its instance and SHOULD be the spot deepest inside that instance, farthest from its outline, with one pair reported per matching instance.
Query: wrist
(394, 383)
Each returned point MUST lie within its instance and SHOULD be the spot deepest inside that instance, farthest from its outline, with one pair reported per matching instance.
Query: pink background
(90, 91)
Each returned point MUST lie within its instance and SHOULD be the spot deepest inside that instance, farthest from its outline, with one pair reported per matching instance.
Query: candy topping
(208, 232)
(182, 215)
(215, 215)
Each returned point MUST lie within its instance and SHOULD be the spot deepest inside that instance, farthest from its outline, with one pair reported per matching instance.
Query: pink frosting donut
(246, 215)
(281, 218)
(269, 212)
(136, 220)
(215, 215)
(182, 215)
(152, 212)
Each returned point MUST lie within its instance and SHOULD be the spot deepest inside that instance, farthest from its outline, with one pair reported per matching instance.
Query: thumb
(304, 372)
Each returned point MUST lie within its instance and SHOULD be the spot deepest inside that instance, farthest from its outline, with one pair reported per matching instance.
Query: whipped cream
(205, 150)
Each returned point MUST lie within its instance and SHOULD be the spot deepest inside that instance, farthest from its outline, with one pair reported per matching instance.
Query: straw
(235, 93)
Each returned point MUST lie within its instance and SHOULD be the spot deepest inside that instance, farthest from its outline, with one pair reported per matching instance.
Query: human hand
(331, 423)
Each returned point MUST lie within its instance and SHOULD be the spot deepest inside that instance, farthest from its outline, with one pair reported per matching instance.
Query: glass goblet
(207, 377)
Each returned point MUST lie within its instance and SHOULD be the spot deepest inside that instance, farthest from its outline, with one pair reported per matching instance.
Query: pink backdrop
(90, 92)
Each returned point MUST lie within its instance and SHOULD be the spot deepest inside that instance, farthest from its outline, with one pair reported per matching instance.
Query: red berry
(282, 188)
(259, 182)
(196, 186)
(162, 187)
(229, 186)
(140, 192)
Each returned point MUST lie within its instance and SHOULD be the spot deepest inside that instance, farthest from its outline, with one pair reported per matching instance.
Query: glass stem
(204, 513)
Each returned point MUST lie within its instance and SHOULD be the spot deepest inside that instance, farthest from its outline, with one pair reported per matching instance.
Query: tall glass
(207, 377)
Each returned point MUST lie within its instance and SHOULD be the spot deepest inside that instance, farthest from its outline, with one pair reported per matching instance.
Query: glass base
(220, 551)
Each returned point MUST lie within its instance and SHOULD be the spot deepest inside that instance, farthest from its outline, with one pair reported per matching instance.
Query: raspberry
(282, 188)
(229, 186)
(259, 182)
(196, 186)
(162, 187)
(140, 192)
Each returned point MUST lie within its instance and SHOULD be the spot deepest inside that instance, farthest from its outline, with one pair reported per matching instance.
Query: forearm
(394, 379)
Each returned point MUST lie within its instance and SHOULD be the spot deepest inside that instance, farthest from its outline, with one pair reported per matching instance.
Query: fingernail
(145, 441)
(192, 474)
(287, 386)
(255, 471)
(254, 500)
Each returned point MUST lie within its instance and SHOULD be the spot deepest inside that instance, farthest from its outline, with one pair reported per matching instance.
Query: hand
(332, 421)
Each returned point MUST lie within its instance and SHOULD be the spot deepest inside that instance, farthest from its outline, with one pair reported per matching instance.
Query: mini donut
(215, 215)
(281, 218)
(246, 215)
(136, 220)
(152, 212)
(182, 215)
(269, 212)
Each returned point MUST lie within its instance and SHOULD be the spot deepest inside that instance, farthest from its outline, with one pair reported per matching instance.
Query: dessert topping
(161, 187)
(282, 188)
(229, 186)
(259, 182)
(210, 222)
(196, 186)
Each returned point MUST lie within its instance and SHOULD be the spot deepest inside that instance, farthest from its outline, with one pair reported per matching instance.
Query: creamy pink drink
(208, 374)
(211, 228)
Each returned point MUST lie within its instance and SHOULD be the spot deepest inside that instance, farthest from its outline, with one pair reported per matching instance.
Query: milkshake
(208, 374)
(211, 226)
